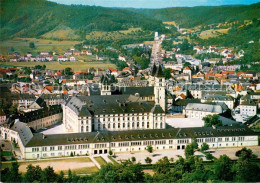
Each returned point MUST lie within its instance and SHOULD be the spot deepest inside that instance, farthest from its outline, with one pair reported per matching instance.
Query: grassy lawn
(212, 33)
(76, 66)
(86, 170)
(6, 153)
(21, 45)
(84, 163)
(113, 160)
(100, 160)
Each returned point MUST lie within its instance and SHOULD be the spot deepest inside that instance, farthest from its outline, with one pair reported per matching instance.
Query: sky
(155, 3)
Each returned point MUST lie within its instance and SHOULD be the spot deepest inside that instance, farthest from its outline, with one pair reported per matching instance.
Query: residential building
(200, 110)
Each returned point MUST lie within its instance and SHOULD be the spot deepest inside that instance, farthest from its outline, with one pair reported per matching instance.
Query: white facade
(249, 110)
(131, 143)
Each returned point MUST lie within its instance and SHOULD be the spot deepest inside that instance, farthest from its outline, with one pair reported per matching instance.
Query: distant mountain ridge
(193, 16)
(38, 18)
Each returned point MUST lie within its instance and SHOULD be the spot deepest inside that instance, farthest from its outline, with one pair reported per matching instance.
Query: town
(146, 104)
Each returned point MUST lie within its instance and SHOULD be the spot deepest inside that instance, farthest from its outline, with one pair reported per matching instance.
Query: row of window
(138, 143)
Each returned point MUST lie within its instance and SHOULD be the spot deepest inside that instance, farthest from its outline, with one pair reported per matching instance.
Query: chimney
(43, 136)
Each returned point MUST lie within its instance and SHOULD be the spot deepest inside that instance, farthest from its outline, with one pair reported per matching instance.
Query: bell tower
(159, 88)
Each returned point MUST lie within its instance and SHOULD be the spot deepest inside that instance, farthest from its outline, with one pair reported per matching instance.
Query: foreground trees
(189, 169)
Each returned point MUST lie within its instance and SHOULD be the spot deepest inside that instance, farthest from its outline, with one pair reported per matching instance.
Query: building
(59, 145)
(107, 112)
(199, 110)
(248, 108)
(219, 99)
(42, 118)
(52, 99)
(2, 116)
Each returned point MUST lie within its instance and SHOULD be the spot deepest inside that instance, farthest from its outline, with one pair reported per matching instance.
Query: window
(59, 147)
(52, 148)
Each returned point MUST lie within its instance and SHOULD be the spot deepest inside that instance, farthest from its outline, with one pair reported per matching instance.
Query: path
(95, 162)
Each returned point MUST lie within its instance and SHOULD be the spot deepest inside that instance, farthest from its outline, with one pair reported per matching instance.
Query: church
(118, 109)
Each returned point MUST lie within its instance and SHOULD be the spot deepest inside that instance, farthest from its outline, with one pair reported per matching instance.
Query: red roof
(112, 70)
(126, 69)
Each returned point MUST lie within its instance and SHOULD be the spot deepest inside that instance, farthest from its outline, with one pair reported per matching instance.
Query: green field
(21, 45)
(75, 66)
(100, 160)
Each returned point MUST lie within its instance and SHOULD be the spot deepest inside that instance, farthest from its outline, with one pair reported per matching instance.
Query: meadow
(21, 45)
(75, 66)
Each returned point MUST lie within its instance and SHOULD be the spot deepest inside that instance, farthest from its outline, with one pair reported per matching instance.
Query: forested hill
(33, 18)
(203, 15)
(41, 18)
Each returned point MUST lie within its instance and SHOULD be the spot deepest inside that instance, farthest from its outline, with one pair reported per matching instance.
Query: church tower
(105, 86)
(159, 87)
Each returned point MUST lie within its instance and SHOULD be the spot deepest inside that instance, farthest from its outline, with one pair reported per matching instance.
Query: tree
(211, 120)
(245, 154)
(162, 166)
(60, 178)
(245, 170)
(67, 71)
(222, 168)
(33, 173)
(31, 45)
(149, 149)
(148, 160)
(167, 73)
(14, 175)
(204, 147)
(189, 151)
(48, 175)
(110, 152)
(13, 109)
(195, 144)
(187, 64)
(209, 156)
(133, 159)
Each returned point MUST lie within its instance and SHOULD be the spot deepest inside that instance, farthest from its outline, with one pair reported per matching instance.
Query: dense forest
(35, 18)
(203, 15)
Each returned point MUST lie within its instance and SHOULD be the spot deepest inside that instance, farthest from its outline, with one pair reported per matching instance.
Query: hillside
(48, 20)
(203, 15)
(34, 18)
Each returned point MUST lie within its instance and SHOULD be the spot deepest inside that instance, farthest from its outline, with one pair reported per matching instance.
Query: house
(44, 53)
(72, 59)
(40, 58)
(180, 104)
(2, 116)
(100, 57)
(68, 53)
(76, 52)
(200, 110)
(13, 59)
(49, 58)
(113, 71)
(121, 57)
(187, 71)
(62, 58)
(89, 52)
(218, 99)
(39, 103)
(248, 108)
